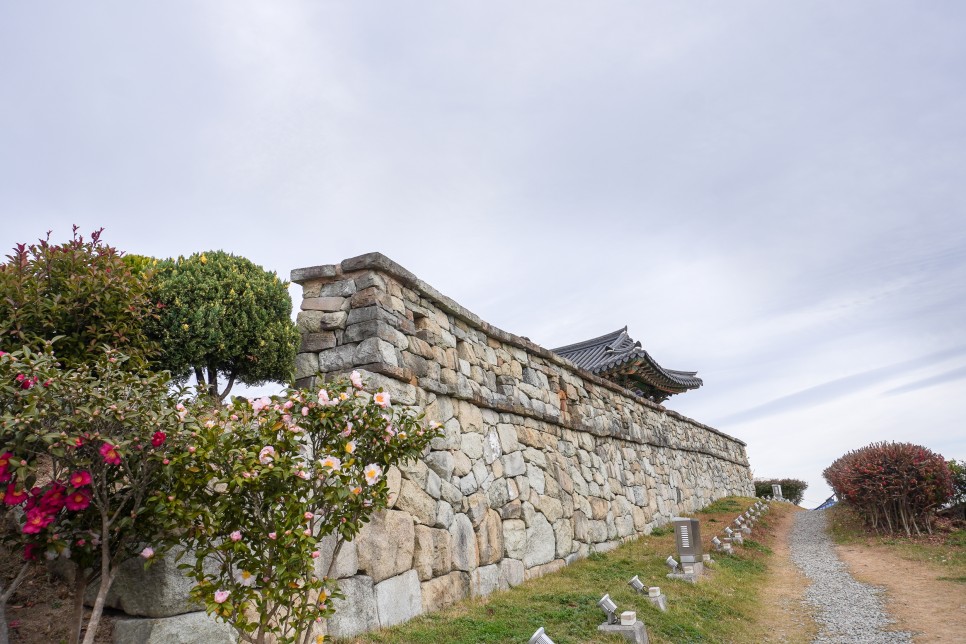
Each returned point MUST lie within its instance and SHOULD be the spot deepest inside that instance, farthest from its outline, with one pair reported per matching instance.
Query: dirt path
(784, 617)
(934, 610)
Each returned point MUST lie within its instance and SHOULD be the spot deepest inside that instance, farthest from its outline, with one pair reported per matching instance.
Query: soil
(39, 609)
(784, 617)
(932, 609)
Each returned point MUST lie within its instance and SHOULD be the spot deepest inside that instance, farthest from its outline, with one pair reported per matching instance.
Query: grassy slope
(945, 552)
(721, 608)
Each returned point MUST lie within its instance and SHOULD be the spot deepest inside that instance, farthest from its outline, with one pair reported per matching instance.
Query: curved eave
(641, 366)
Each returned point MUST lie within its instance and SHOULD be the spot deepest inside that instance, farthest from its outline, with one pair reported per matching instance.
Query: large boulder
(445, 591)
(356, 612)
(489, 538)
(385, 545)
(465, 554)
(399, 599)
(432, 556)
(189, 628)
(541, 543)
(161, 590)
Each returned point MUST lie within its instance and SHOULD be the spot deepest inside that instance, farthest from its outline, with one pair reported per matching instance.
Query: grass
(945, 551)
(721, 608)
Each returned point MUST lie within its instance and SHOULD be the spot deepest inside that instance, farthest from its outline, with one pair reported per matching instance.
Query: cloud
(841, 387)
(925, 383)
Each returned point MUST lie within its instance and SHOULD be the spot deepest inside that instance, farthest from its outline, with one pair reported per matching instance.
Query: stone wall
(540, 463)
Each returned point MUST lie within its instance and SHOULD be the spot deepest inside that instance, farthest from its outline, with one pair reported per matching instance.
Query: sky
(768, 193)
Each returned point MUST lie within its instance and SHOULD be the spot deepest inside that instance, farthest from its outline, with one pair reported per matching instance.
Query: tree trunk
(77, 616)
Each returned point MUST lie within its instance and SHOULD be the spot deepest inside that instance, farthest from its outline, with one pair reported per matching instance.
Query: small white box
(654, 591)
(628, 618)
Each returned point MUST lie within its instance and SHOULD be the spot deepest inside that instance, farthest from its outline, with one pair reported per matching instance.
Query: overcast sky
(770, 193)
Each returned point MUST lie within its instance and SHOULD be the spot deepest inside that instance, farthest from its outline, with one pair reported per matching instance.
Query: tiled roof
(617, 355)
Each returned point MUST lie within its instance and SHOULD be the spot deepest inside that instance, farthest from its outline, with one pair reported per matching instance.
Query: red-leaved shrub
(894, 486)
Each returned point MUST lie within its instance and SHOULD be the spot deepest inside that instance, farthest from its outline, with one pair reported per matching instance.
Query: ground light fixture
(540, 637)
(636, 584)
(608, 606)
(671, 563)
(716, 542)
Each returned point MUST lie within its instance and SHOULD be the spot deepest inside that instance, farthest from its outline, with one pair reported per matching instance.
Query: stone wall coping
(381, 263)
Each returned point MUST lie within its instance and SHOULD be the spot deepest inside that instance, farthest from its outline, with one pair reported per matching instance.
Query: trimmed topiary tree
(221, 316)
(81, 292)
(792, 489)
(894, 486)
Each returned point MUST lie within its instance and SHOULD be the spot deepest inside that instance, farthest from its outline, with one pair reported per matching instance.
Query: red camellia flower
(80, 478)
(109, 452)
(158, 439)
(78, 500)
(30, 551)
(54, 499)
(37, 520)
(14, 496)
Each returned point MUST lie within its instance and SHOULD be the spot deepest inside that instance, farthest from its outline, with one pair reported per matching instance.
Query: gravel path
(847, 610)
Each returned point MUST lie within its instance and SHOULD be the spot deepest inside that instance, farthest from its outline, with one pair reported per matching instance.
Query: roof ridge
(589, 343)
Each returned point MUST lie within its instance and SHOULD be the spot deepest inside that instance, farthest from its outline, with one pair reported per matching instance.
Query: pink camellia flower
(373, 473)
(316, 554)
(381, 399)
(158, 439)
(261, 403)
(192, 449)
(78, 500)
(110, 455)
(236, 535)
(14, 496)
(305, 411)
(308, 515)
(148, 552)
(266, 455)
(324, 397)
(80, 478)
(272, 535)
(355, 379)
(288, 404)
(221, 596)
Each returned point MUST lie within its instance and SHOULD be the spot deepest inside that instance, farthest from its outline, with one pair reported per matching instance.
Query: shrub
(81, 292)
(222, 316)
(263, 483)
(83, 450)
(894, 486)
(792, 489)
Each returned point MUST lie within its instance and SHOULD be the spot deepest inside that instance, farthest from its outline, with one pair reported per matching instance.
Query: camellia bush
(894, 486)
(792, 489)
(83, 451)
(81, 292)
(221, 317)
(262, 484)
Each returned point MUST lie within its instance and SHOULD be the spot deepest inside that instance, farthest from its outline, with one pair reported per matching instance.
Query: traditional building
(619, 358)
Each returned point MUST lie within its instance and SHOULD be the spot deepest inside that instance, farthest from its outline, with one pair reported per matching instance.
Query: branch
(13, 584)
(231, 382)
